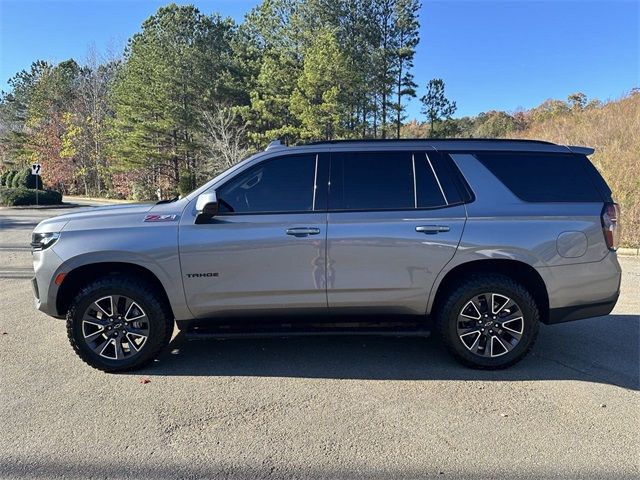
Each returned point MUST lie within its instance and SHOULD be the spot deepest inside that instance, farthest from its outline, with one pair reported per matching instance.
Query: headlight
(41, 241)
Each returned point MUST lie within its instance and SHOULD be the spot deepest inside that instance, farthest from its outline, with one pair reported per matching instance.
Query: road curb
(105, 201)
(629, 252)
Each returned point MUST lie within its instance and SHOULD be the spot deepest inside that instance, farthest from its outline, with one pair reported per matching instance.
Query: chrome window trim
(446, 200)
(415, 190)
(315, 185)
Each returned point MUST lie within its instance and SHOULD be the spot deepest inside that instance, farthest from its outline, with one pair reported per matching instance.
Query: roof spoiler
(581, 150)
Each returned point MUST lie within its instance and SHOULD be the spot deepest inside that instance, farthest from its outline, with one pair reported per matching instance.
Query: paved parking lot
(314, 407)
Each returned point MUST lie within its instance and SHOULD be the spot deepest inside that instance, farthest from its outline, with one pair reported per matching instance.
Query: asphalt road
(314, 407)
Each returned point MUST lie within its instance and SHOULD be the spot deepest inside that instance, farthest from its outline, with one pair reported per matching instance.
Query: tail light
(610, 225)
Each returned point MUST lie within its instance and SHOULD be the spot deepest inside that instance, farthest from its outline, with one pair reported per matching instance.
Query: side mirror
(207, 205)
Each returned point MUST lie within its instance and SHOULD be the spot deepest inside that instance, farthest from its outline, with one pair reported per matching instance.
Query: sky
(492, 55)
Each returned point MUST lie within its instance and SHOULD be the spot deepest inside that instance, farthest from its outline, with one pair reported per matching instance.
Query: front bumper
(45, 265)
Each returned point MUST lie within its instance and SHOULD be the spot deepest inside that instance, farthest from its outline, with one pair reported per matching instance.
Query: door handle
(432, 229)
(302, 231)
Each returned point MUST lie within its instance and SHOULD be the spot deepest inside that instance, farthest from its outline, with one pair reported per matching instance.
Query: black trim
(597, 179)
(34, 286)
(464, 189)
(440, 207)
(222, 216)
(427, 140)
(579, 312)
(307, 324)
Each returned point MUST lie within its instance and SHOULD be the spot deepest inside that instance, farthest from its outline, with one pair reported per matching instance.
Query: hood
(111, 214)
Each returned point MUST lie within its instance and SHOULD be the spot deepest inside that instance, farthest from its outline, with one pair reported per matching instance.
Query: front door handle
(302, 231)
(432, 229)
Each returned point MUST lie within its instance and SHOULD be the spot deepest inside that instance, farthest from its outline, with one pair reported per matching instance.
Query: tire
(472, 306)
(116, 335)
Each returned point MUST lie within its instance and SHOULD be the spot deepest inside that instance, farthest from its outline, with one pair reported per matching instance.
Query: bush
(187, 182)
(3, 177)
(9, 178)
(23, 196)
(19, 179)
(142, 192)
(24, 179)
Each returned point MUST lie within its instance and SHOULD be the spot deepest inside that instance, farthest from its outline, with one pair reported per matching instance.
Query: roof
(449, 144)
(428, 140)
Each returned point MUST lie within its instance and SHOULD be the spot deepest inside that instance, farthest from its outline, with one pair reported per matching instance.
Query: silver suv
(478, 240)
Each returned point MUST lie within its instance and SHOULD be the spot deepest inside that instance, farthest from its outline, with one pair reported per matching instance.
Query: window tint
(429, 193)
(452, 181)
(372, 181)
(284, 184)
(543, 177)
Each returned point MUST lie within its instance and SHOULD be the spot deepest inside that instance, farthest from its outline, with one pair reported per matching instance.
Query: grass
(614, 131)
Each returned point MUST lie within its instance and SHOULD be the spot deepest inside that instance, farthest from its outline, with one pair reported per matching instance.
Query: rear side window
(437, 184)
(543, 177)
(372, 181)
(430, 190)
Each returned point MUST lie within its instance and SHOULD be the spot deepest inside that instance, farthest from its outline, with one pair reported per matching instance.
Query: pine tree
(407, 31)
(180, 63)
(319, 99)
(436, 106)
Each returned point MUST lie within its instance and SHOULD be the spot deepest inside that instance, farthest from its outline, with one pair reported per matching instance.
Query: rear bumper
(582, 290)
(578, 312)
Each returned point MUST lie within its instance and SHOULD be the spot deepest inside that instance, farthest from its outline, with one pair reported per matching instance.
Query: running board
(222, 333)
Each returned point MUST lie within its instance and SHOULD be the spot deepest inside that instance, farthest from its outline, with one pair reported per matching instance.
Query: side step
(289, 330)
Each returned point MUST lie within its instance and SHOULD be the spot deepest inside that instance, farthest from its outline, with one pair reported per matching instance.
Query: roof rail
(383, 140)
(275, 144)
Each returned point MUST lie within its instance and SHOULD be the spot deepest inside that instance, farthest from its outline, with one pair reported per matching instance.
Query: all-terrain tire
(446, 319)
(152, 302)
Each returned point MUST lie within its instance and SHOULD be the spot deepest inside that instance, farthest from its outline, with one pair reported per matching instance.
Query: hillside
(614, 131)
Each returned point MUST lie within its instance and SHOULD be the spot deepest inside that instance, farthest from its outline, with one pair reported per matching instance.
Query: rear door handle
(432, 229)
(302, 231)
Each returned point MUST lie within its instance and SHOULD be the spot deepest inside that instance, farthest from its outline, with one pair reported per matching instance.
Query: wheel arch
(80, 276)
(515, 269)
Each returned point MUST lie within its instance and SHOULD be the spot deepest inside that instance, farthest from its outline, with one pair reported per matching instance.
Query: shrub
(24, 179)
(187, 182)
(142, 192)
(3, 177)
(9, 178)
(24, 196)
(17, 181)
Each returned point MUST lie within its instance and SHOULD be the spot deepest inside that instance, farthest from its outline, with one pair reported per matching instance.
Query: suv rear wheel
(118, 323)
(489, 322)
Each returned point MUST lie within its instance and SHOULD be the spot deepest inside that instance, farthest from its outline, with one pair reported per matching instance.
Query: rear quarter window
(544, 177)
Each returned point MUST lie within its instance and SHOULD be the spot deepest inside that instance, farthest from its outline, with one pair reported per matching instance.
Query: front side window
(283, 184)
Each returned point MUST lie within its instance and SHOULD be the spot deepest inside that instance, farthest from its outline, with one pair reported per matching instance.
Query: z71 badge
(160, 218)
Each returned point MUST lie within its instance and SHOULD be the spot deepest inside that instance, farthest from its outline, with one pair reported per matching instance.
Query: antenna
(275, 144)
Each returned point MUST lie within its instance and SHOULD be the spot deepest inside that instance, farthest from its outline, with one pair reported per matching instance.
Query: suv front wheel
(118, 323)
(488, 322)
